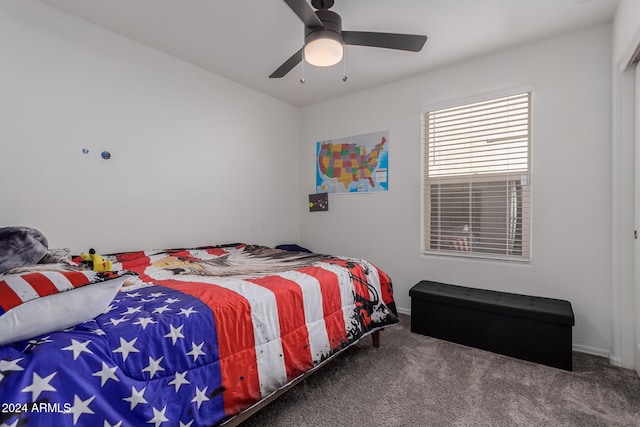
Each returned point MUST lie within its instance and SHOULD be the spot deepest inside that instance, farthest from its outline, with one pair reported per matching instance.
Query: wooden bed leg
(376, 339)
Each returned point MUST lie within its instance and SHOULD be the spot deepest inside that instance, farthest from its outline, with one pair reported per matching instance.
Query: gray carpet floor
(414, 380)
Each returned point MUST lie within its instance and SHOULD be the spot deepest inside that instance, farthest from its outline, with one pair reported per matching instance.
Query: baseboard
(406, 311)
(615, 361)
(592, 350)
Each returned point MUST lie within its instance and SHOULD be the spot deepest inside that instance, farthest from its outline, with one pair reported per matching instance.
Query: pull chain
(344, 66)
(302, 80)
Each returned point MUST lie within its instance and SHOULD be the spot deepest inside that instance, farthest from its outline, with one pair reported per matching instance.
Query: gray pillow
(21, 247)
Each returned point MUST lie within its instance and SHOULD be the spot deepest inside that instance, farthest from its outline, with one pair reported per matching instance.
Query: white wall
(571, 178)
(196, 159)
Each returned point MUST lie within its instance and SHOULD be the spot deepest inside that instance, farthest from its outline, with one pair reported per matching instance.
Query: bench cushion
(536, 308)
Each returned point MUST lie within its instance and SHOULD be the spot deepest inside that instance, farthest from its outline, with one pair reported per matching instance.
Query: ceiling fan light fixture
(323, 51)
(324, 38)
(323, 45)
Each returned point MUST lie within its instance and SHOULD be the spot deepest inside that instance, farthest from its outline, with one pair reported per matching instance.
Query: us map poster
(355, 164)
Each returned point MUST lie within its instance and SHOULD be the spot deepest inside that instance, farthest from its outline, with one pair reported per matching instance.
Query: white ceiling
(246, 40)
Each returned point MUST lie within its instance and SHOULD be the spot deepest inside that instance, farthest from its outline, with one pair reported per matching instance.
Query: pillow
(21, 246)
(293, 248)
(34, 304)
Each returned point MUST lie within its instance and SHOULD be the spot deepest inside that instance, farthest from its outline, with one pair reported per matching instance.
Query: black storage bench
(525, 327)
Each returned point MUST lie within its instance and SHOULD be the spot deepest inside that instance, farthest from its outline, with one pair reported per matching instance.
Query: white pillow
(58, 311)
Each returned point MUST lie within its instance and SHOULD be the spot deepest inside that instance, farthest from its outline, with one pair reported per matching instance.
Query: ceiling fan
(324, 38)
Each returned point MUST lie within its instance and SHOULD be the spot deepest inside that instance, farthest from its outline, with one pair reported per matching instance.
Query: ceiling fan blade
(411, 42)
(288, 65)
(305, 13)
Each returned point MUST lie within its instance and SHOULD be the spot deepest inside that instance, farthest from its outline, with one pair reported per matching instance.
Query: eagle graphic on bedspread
(252, 260)
(201, 335)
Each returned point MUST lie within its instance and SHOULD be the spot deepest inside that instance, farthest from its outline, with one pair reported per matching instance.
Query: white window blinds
(476, 189)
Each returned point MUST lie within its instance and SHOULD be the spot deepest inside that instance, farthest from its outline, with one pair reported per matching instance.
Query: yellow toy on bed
(99, 263)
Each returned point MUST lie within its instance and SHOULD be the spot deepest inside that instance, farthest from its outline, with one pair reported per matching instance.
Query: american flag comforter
(197, 337)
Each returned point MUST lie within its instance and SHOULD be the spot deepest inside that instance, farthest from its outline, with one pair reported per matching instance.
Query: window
(476, 179)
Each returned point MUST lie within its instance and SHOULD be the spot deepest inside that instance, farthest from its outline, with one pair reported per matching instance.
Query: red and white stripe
(313, 313)
(346, 294)
(18, 289)
(275, 323)
(461, 243)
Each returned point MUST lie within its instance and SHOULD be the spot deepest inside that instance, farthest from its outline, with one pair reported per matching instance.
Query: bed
(184, 337)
